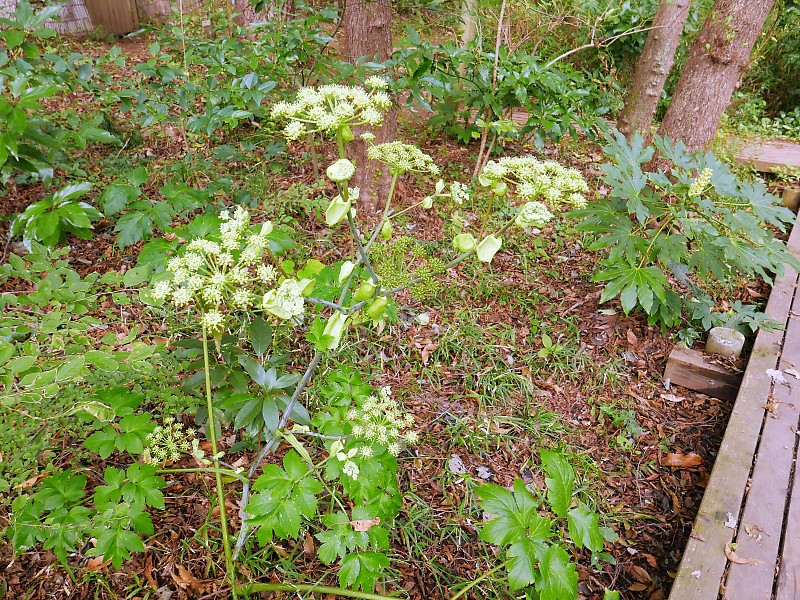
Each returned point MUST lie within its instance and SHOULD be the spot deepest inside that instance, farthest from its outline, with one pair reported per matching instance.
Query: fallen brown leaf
(739, 560)
(682, 461)
(365, 524)
(639, 574)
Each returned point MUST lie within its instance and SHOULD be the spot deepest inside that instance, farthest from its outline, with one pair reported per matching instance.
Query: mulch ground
(650, 505)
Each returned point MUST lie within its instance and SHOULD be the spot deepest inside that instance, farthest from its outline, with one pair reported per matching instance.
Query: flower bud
(346, 269)
(427, 202)
(464, 242)
(488, 248)
(337, 210)
(440, 186)
(386, 230)
(266, 228)
(335, 328)
(364, 292)
(377, 308)
(346, 133)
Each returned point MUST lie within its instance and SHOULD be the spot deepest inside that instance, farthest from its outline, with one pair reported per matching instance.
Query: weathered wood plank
(696, 371)
(768, 155)
(703, 566)
(789, 572)
(762, 522)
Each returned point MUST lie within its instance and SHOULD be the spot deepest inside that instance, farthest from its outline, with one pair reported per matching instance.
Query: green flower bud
(346, 269)
(364, 292)
(464, 242)
(440, 186)
(386, 230)
(488, 248)
(335, 328)
(377, 308)
(427, 202)
(346, 133)
(500, 188)
(337, 210)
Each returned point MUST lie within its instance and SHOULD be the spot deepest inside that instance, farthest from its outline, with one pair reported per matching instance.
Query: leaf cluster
(658, 231)
(535, 544)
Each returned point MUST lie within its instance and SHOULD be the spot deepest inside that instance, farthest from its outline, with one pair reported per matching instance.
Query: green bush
(658, 230)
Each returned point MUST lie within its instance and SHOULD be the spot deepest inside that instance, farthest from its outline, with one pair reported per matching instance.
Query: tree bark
(653, 67)
(716, 61)
(367, 32)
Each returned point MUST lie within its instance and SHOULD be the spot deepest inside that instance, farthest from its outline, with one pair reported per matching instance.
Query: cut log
(696, 371)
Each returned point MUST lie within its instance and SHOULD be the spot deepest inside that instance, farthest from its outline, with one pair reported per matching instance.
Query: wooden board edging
(704, 561)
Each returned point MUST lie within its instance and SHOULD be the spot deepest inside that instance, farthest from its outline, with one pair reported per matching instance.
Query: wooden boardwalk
(768, 155)
(745, 543)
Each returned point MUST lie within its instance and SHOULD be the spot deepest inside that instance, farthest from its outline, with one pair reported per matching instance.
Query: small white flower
(350, 469)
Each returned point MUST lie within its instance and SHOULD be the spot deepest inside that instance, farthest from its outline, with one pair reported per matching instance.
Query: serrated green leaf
(584, 528)
(560, 481)
(260, 336)
(558, 579)
(362, 570)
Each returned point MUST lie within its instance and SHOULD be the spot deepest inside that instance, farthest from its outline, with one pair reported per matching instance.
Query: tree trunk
(367, 32)
(469, 23)
(714, 65)
(653, 67)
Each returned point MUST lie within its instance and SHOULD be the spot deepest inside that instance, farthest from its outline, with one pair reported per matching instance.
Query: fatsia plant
(665, 233)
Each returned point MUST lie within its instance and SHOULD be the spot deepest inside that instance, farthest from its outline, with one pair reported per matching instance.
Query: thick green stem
(211, 430)
(322, 589)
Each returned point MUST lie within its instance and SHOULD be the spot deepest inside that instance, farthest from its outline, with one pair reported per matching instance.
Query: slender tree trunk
(367, 32)
(715, 63)
(653, 67)
(469, 23)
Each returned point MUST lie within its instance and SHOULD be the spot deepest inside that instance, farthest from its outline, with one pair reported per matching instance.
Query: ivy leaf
(337, 540)
(362, 570)
(114, 541)
(66, 531)
(133, 227)
(558, 579)
(584, 528)
(112, 492)
(134, 429)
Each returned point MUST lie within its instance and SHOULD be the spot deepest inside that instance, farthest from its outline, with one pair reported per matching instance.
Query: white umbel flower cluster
(402, 158)
(533, 214)
(218, 278)
(542, 184)
(329, 108)
(380, 420)
(168, 442)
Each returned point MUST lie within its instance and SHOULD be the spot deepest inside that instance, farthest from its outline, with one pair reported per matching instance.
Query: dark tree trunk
(367, 32)
(653, 67)
(716, 61)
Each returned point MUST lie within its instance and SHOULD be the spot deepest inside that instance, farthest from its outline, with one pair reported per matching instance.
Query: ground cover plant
(222, 376)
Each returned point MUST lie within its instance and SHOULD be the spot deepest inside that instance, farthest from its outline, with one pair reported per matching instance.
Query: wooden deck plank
(703, 565)
(789, 571)
(762, 523)
(768, 155)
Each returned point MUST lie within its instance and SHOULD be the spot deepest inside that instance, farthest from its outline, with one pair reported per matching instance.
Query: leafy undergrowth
(497, 363)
